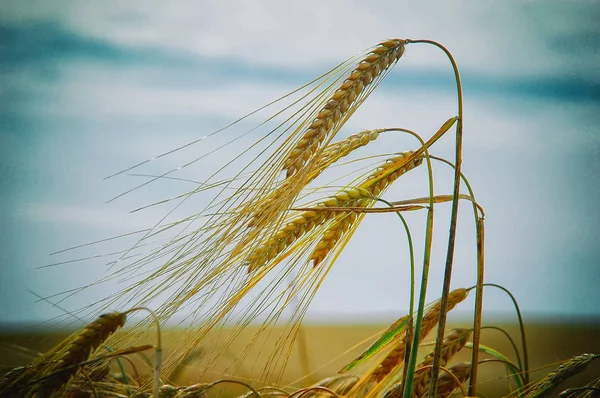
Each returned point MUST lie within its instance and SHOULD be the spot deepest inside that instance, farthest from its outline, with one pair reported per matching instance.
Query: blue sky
(89, 89)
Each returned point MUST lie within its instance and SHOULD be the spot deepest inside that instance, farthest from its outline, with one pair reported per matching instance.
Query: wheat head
(569, 368)
(302, 224)
(447, 384)
(267, 207)
(77, 351)
(375, 184)
(430, 320)
(377, 61)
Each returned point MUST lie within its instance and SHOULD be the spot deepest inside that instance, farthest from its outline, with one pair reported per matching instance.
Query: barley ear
(396, 356)
(78, 350)
(453, 343)
(329, 117)
(569, 368)
(447, 384)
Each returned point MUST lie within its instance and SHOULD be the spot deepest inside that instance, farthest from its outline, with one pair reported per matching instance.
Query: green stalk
(512, 343)
(412, 364)
(521, 327)
(477, 321)
(435, 371)
(411, 306)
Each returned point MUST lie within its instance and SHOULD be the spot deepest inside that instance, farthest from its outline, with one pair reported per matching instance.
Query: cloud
(511, 38)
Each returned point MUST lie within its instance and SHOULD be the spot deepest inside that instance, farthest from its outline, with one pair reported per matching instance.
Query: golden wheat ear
(450, 382)
(378, 60)
(567, 369)
(56, 368)
(453, 343)
(430, 319)
(268, 208)
(373, 186)
(77, 351)
(452, 379)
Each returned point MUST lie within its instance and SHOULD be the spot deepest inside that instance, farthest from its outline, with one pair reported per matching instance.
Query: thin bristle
(377, 61)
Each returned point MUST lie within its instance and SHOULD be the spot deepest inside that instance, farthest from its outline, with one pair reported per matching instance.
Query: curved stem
(157, 350)
(521, 326)
(409, 330)
(411, 255)
(516, 372)
(452, 235)
(512, 343)
(241, 383)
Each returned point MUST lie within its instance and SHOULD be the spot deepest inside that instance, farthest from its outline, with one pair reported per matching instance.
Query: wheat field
(245, 267)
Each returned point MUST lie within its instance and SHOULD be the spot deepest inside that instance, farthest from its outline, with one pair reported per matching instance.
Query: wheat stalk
(377, 61)
(569, 368)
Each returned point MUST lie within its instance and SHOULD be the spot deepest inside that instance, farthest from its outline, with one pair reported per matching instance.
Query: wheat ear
(396, 356)
(377, 61)
(447, 384)
(375, 184)
(569, 368)
(302, 224)
(331, 153)
(78, 350)
(453, 343)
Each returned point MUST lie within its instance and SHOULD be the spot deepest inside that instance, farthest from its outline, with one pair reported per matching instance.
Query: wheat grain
(446, 383)
(377, 61)
(375, 184)
(569, 368)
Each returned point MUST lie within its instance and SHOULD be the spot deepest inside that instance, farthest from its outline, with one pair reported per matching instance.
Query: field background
(550, 340)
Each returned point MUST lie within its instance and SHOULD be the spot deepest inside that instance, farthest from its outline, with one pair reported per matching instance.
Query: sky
(91, 88)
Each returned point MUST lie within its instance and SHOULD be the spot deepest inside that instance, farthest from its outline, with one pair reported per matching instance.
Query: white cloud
(508, 38)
